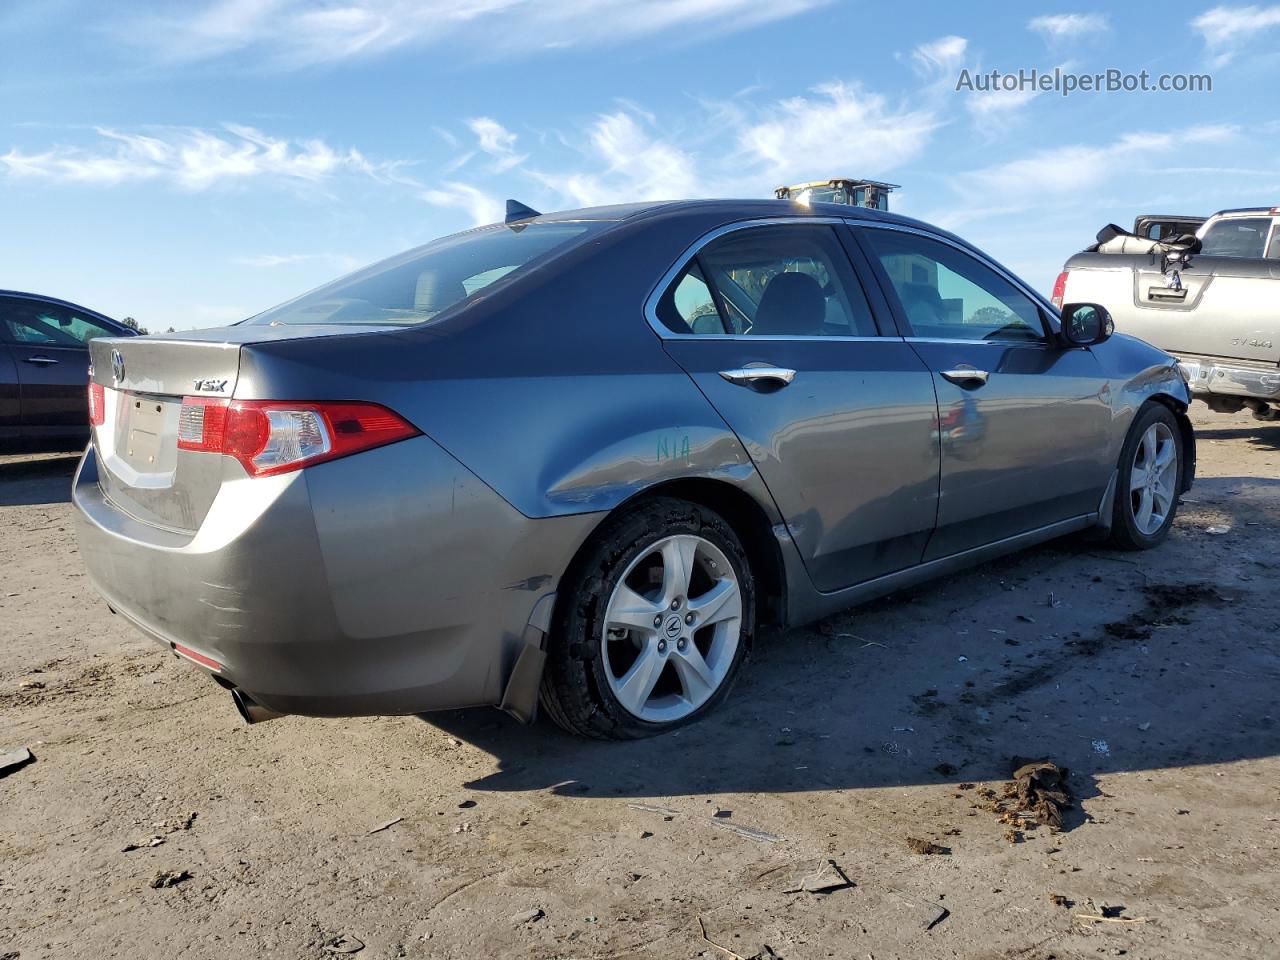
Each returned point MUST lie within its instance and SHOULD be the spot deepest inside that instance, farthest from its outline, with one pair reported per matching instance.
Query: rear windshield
(1236, 237)
(416, 286)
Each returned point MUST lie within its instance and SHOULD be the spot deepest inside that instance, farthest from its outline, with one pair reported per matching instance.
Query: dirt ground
(1151, 677)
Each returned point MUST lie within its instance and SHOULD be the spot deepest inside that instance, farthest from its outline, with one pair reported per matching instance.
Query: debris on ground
(750, 833)
(1104, 913)
(1040, 793)
(343, 943)
(30, 684)
(1165, 601)
(927, 847)
(11, 760)
(385, 826)
(1058, 900)
(169, 878)
(528, 916)
(828, 878)
(152, 842)
(1218, 529)
(928, 913)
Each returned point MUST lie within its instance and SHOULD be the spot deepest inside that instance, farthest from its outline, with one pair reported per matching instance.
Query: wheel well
(748, 521)
(1179, 411)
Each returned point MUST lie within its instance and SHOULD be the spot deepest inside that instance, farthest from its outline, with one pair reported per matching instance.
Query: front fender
(1139, 374)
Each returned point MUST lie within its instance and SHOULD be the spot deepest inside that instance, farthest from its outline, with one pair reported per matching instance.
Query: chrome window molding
(666, 333)
(682, 261)
(1048, 309)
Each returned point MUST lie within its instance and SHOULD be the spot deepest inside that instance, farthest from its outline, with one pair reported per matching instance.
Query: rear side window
(688, 306)
(783, 281)
(1236, 237)
(419, 285)
(48, 324)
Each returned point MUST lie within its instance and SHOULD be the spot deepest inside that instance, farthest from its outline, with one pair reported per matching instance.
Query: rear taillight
(269, 436)
(1059, 289)
(97, 405)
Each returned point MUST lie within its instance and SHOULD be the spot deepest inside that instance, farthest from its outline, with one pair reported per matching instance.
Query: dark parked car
(44, 366)
(584, 456)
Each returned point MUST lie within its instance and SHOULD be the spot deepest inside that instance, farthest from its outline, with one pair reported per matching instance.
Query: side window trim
(1044, 311)
(691, 253)
(883, 313)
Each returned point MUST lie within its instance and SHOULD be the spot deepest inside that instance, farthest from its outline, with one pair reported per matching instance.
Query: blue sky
(192, 163)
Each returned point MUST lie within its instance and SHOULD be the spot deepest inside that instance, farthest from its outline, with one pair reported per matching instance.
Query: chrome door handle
(745, 376)
(41, 360)
(966, 376)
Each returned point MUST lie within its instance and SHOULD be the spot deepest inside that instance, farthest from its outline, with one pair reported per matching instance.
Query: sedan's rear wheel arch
(744, 515)
(579, 683)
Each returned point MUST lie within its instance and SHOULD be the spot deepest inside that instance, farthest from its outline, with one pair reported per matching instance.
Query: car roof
(1246, 212)
(733, 209)
(58, 300)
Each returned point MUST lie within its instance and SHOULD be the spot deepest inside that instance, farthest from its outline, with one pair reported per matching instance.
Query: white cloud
(1227, 29)
(735, 149)
(192, 158)
(297, 33)
(480, 206)
(1068, 26)
(1076, 169)
(269, 260)
(843, 128)
(626, 162)
(498, 142)
(940, 58)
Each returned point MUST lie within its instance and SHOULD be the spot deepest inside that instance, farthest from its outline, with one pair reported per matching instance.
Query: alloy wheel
(672, 628)
(1153, 480)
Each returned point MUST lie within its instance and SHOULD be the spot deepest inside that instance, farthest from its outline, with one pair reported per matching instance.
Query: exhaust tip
(250, 710)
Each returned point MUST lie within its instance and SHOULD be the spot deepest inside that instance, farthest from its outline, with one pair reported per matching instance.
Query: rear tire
(1149, 481)
(650, 628)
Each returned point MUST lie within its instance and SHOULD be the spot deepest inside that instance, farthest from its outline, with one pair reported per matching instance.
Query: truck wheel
(1149, 481)
(652, 624)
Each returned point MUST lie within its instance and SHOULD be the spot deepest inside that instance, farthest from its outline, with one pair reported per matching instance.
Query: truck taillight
(97, 405)
(1059, 289)
(270, 437)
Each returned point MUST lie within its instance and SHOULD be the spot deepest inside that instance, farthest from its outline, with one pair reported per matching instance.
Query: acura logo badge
(117, 366)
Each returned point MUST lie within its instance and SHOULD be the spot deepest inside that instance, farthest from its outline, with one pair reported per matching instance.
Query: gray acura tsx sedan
(580, 459)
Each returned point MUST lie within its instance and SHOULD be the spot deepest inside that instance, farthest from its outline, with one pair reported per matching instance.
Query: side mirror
(1084, 324)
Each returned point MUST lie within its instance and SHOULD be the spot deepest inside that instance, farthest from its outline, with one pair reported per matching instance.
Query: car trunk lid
(142, 470)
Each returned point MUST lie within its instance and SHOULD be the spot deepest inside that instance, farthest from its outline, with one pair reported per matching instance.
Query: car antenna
(518, 212)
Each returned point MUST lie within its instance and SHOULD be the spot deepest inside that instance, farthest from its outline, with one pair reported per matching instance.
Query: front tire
(1149, 481)
(652, 623)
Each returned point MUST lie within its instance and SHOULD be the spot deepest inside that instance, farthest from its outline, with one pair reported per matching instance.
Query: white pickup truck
(1217, 310)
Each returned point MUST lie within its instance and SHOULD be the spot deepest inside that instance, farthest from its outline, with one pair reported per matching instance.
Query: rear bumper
(392, 581)
(1212, 376)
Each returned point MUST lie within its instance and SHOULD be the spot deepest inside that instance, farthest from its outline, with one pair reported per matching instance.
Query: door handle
(43, 361)
(966, 376)
(745, 376)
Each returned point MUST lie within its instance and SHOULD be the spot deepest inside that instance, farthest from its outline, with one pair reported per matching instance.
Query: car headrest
(793, 305)
(923, 304)
(434, 293)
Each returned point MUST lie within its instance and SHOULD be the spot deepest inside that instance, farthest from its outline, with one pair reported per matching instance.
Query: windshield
(1236, 237)
(416, 286)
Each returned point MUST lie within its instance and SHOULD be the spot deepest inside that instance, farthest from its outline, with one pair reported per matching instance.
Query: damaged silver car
(580, 460)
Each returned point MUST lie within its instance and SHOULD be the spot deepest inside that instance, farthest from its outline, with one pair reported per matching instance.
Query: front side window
(1236, 237)
(948, 295)
(781, 281)
(48, 324)
(421, 284)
